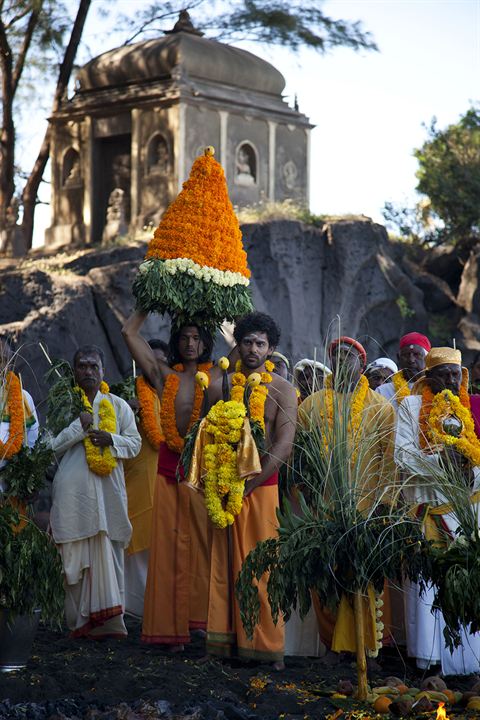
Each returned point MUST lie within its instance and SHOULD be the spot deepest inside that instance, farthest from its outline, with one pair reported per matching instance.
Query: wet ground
(121, 679)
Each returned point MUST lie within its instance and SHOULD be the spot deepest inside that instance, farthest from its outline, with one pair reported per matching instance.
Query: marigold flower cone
(196, 267)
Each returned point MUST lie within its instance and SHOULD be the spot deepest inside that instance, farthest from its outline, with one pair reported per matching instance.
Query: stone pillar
(181, 146)
(308, 133)
(135, 172)
(87, 137)
(223, 138)
(272, 129)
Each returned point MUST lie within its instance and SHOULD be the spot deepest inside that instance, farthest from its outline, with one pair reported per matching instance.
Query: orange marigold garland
(15, 410)
(196, 267)
(146, 396)
(168, 419)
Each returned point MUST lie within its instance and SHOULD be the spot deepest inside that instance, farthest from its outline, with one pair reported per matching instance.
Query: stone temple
(124, 143)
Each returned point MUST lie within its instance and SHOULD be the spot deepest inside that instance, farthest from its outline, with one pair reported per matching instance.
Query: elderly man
(411, 360)
(380, 371)
(89, 517)
(370, 427)
(420, 450)
(16, 418)
(309, 376)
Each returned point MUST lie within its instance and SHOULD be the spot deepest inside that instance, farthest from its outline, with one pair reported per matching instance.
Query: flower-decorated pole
(196, 268)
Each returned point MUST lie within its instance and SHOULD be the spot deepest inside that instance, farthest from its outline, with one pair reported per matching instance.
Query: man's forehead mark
(255, 336)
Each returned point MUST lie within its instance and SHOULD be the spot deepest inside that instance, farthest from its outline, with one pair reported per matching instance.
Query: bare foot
(176, 648)
(199, 633)
(278, 666)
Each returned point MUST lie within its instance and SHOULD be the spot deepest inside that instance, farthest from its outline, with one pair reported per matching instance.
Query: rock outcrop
(316, 282)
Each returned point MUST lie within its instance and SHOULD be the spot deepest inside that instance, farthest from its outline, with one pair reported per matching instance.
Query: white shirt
(32, 431)
(387, 390)
(84, 504)
(411, 457)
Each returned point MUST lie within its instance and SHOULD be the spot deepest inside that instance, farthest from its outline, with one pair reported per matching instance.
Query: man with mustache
(256, 335)
(423, 450)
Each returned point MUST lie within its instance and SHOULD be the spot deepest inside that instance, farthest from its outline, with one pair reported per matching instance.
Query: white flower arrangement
(224, 278)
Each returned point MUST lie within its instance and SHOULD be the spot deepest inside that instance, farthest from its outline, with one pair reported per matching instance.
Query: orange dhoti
(225, 634)
(176, 595)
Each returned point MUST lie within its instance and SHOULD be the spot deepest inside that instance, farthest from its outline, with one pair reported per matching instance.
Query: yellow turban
(443, 356)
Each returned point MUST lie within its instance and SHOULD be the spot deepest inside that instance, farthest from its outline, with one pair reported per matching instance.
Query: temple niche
(141, 114)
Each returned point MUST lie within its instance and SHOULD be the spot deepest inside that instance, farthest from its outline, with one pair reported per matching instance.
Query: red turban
(345, 340)
(415, 338)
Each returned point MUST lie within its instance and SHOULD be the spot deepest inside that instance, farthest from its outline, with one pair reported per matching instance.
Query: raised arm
(154, 370)
(283, 434)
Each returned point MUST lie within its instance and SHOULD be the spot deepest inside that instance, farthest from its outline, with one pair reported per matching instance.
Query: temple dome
(178, 53)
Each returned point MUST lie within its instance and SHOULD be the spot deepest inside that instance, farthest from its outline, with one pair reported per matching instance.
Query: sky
(368, 108)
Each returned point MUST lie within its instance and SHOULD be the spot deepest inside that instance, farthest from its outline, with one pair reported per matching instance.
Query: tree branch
(27, 39)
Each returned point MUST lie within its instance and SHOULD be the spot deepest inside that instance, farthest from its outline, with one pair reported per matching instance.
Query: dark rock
(436, 292)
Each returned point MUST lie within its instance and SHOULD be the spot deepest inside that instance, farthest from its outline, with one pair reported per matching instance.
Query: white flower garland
(201, 272)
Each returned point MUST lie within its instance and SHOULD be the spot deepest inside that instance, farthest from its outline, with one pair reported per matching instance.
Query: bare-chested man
(256, 335)
(176, 595)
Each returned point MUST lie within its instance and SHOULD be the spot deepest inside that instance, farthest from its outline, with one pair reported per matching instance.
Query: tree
(449, 180)
(34, 30)
(291, 24)
(449, 174)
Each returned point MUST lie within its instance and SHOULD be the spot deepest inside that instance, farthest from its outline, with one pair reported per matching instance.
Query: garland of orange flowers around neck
(258, 396)
(14, 405)
(401, 386)
(146, 397)
(434, 410)
(174, 440)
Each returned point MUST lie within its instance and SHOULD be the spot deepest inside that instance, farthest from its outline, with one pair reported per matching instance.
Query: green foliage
(292, 25)
(188, 299)
(449, 174)
(344, 536)
(449, 178)
(125, 389)
(64, 404)
(30, 568)
(24, 474)
(405, 309)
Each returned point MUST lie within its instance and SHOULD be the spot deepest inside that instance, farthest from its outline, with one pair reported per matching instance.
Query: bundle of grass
(349, 532)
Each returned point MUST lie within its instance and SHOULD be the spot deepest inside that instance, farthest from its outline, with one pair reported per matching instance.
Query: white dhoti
(94, 587)
(136, 570)
(301, 636)
(425, 639)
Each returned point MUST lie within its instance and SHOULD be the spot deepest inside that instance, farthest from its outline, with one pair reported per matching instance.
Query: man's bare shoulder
(283, 387)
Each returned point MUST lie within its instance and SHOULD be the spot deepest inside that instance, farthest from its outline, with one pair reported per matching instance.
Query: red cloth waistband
(272, 480)
(168, 461)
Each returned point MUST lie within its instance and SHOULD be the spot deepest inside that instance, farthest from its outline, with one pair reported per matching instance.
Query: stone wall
(346, 276)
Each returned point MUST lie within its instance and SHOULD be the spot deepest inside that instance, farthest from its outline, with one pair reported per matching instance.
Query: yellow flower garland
(100, 460)
(356, 407)
(223, 487)
(443, 405)
(401, 386)
(258, 395)
(147, 396)
(222, 482)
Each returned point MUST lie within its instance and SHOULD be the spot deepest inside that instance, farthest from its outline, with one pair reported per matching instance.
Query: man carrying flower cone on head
(244, 512)
(437, 446)
(196, 271)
